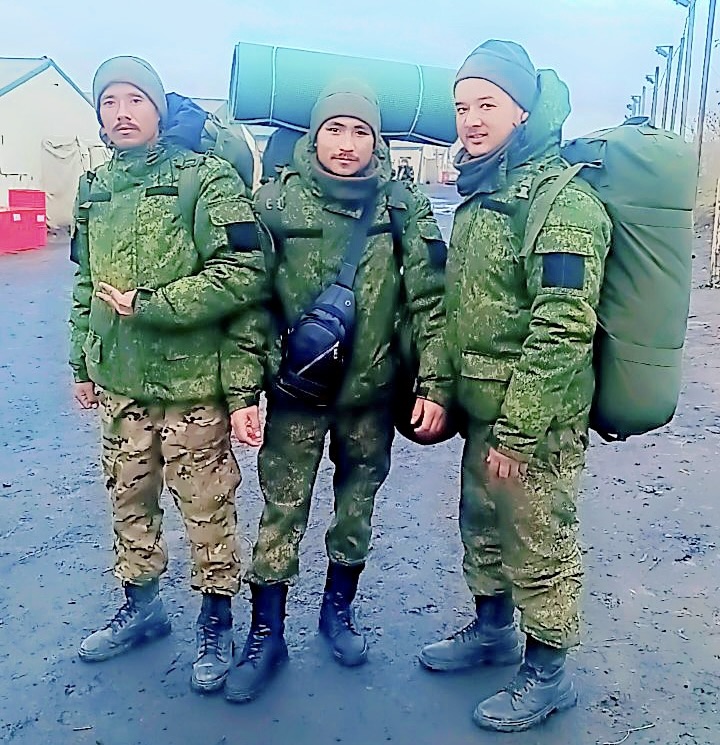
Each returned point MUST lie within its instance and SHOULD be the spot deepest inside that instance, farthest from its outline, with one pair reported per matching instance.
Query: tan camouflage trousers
(520, 536)
(188, 449)
(360, 442)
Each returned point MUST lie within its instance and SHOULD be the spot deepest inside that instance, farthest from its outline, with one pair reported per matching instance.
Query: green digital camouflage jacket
(387, 287)
(521, 324)
(199, 328)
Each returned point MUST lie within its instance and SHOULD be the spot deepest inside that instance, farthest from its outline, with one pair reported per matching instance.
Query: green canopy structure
(277, 86)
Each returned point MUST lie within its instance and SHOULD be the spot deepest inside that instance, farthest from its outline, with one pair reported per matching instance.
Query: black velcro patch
(437, 251)
(563, 270)
(161, 191)
(100, 196)
(243, 236)
(379, 229)
(302, 233)
(74, 249)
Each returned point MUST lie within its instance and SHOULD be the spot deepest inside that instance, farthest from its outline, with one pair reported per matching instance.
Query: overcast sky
(602, 48)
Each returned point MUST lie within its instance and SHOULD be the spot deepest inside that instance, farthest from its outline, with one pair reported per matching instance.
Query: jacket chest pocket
(158, 208)
(164, 246)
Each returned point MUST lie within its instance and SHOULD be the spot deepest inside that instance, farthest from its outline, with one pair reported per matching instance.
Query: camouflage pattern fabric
(520, 339)
(199, 328)
(360, 442)
(308, 263)
(520, 342)
(189, 450)
(519, 535)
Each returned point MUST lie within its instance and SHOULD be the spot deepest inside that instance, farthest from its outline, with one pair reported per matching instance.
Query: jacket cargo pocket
(436, 248)
(481, 367)
(92, 347)
(482, 385)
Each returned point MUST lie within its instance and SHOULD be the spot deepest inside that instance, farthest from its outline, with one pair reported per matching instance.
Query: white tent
(48, 134)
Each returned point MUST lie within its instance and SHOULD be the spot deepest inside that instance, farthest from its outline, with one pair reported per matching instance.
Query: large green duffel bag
(647, 179)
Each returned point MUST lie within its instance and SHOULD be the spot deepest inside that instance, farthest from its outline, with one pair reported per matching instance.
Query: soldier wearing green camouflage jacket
(167, 322)
(310, 211)
(521, 321)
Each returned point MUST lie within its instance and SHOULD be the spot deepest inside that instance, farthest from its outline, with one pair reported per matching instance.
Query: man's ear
(524, 116)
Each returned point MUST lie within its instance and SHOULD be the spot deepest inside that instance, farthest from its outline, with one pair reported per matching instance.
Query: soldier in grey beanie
(134, 71)
(506, 64)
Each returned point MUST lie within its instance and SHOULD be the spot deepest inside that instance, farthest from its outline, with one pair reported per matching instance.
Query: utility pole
(705, 78)
(690, 5)
(678, 77)
(656, 84)
(666, 51)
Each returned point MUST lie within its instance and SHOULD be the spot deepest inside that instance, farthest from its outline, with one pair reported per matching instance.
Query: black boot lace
(210, 633)
(344, 614)
(466, 633)
(124, 615)
(520, 684)
(256, 642)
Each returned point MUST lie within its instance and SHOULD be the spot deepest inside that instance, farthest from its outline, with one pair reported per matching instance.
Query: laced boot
(490, 639)
(541, 687)
(139, 619)
(265, 649)
(214, 644)
(337, 619)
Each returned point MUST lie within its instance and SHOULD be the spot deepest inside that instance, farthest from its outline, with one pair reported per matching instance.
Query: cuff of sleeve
(438, 394)
(235, 403)
(142, 298)
(513, 444)
(80, 374)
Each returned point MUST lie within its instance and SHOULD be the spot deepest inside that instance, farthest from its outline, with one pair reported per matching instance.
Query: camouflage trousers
(520, 536)
(188, 449)
(360, 442)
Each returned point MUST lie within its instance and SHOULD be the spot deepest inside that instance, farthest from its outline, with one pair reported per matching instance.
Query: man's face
(345, 145)
(485, 115)
(128, 116)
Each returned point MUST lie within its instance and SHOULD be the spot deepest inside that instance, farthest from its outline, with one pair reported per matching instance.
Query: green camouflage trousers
(520, 536)
(360, 442)
(189, 450)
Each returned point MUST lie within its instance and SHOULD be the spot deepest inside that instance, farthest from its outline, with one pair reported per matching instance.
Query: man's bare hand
(246, 426)
(428, 419)
(503, 467)
(120, 302)
(85, 395)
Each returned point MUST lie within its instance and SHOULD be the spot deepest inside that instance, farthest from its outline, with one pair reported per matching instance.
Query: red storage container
(33, 227)
(11, 233)
(22, 229)
(26, 199)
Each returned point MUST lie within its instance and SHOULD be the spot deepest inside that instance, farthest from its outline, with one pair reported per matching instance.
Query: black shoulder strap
(399, 193)
(356, 246)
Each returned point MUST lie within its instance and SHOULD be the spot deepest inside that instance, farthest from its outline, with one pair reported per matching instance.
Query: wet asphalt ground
(649, 667)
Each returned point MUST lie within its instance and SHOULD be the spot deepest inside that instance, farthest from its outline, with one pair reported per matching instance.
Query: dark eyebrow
(479, 98)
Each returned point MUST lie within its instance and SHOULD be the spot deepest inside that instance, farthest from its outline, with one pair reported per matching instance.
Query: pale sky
(602, 48)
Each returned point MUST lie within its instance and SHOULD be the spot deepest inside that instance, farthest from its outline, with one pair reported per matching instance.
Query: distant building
(48, 134)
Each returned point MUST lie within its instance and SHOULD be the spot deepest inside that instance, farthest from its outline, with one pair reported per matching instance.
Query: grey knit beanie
(131, 70)
(507, 65)
(346, 98)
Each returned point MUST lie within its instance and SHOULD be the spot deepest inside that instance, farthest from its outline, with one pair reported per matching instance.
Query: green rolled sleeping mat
(277, 86)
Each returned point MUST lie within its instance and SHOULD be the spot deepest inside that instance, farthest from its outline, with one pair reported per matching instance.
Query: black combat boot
(214, 643)
(491, 639)
(337, 619)
(139, 619)
(265, 649)
(540, 687)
